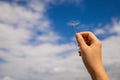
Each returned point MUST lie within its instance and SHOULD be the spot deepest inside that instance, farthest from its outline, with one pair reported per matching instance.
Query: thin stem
(74, 29)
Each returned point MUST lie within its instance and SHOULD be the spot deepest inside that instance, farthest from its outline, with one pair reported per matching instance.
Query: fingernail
(79, 35)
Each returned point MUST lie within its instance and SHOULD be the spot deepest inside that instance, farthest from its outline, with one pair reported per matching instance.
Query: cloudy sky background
(36, 42)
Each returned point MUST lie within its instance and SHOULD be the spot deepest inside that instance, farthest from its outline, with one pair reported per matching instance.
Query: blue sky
(38, 43)
(87, 12)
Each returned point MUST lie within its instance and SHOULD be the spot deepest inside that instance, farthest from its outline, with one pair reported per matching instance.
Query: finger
(80, 40)
(89, 35)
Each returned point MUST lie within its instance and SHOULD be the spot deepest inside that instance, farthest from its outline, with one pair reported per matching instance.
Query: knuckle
(90, 32)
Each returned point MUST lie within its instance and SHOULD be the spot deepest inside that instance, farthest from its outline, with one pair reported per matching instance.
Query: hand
(91, 53)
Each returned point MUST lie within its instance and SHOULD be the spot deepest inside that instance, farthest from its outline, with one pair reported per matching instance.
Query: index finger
(89, 35)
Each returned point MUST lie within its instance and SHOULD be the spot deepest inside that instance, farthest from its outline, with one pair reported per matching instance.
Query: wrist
(99, 74)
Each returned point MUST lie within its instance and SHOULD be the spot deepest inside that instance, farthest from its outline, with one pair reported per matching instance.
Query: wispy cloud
(7, 78)
(21, 24)
(111, 47)
(18, 24)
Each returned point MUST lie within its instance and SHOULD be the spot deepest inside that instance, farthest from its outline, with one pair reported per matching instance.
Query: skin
(91, 53)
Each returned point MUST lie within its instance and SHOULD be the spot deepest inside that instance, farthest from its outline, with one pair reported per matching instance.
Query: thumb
(80, 40)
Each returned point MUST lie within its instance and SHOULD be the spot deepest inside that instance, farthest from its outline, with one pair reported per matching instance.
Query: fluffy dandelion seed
(74, 24)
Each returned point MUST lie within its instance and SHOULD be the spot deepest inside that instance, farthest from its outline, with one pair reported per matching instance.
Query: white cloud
(45, 60)
(13, 14)
(99, 31)
(46, 38)
(111, 43)
(111, 49)
(116, 28)
(109, 28)
(24, 61)
(7, 78)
